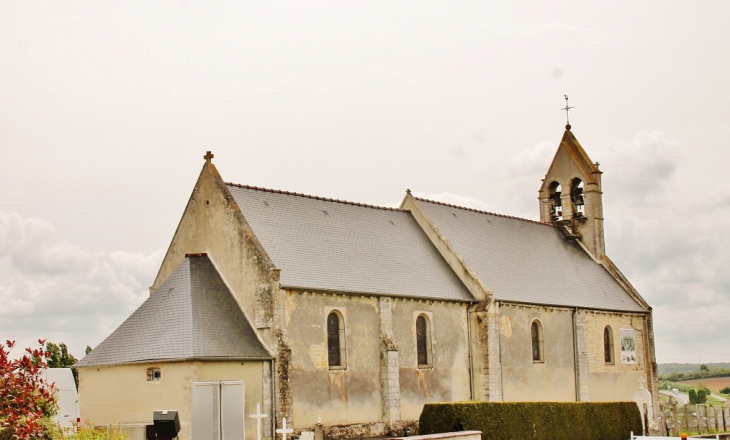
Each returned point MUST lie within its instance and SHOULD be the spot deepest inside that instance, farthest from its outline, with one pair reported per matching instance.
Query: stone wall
(552, 379)
(213, 224)
(382, 386)
(616, 380)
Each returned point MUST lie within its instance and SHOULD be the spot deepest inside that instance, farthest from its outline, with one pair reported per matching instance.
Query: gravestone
(642, 397)
(258, 416)
(284, 430)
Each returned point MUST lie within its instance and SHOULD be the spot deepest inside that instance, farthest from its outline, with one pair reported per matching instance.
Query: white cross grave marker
(283, 431)
(258, 416)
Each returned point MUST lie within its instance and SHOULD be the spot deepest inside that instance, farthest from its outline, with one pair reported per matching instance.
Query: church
(276, 305)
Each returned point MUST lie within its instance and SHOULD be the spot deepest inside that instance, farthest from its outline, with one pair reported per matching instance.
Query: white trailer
(68, 398)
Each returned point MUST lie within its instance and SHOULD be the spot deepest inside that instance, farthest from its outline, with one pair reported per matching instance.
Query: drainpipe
(469, 312)
(501, 368)
(273, 399)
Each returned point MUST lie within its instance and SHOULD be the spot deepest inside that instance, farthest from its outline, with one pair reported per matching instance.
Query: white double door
(218, 410)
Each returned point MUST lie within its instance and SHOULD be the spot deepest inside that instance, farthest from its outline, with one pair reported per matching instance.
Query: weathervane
(567, 108)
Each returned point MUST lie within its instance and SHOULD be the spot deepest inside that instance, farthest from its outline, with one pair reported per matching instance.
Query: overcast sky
(107, 108)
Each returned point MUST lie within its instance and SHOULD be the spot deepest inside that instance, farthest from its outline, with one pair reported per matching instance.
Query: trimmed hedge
(534, 420)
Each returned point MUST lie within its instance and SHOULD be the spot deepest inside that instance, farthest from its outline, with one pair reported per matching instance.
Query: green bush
(534, 420)
(701, 396)
(693, 400)
(725, 390)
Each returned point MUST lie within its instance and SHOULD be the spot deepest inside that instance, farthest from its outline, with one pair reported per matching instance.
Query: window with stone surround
(336, 354)
(423, 342)
(608, 345)
(536, 334)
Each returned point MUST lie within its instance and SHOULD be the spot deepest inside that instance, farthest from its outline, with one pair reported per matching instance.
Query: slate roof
(528, 262)
(331, 245)
(192, 316)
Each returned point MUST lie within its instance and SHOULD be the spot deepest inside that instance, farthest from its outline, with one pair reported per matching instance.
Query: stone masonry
(389, 370)
(494, 374)
(581, 357)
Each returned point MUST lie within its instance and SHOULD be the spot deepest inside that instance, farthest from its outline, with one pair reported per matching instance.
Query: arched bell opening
(556, 203)
(576, 196)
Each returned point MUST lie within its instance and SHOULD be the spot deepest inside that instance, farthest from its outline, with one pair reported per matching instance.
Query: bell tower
(571, 195)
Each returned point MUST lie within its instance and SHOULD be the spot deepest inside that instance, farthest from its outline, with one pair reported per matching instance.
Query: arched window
(608, 344)
(335, 339)
(556, 203)
(576, 196)
(423, 341)
(537, 342)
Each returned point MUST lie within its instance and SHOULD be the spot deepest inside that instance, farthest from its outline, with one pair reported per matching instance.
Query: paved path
(684, 398)
(681, 398)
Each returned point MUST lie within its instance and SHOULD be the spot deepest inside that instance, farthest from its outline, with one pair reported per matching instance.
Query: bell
(576, 195)
(556, 197)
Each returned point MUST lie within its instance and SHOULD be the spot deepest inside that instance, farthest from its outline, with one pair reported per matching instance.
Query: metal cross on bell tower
(567, 108)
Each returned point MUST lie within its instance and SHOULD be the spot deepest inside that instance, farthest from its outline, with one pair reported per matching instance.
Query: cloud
(667, 237)
(54, 290)
(469, 139)
(644, 167)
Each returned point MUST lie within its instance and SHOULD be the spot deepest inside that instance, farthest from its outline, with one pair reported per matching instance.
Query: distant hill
(665, 369)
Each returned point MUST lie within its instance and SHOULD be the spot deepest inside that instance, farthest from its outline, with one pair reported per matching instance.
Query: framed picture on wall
(628, 346)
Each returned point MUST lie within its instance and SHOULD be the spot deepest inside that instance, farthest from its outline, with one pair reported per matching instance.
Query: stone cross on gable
(642, 383)
(283, 430)
(208, 156)
(258, 416)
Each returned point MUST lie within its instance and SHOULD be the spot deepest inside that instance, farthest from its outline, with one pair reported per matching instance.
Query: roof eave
(570, 307)
(180, 359)
(375, 294)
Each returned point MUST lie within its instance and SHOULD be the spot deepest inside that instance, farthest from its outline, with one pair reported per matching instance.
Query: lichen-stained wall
(616, 381)
(122, 395)
(525, 380)
(447, 379)
(341, 396)
(212, 223)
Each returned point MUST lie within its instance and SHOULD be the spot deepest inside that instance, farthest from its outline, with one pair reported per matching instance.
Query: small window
(537, 342)
(423, 341)
(154, 374)
(608, 345)
(335, 340)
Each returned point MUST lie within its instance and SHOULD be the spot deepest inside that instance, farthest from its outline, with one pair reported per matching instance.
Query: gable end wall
(213, 224)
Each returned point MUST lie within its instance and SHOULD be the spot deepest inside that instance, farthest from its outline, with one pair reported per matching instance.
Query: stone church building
(358, 315)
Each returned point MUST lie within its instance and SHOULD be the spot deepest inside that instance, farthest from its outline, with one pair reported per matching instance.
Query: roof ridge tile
(326, 199)
(484, 212)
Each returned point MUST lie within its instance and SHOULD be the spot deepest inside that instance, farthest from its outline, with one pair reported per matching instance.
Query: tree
(60, 358)
(25, 398)
(88, 349)
(693, 397)
(704, 368)
(725, 390)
